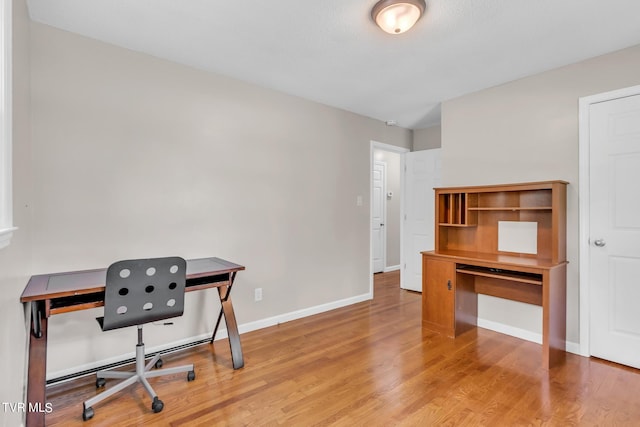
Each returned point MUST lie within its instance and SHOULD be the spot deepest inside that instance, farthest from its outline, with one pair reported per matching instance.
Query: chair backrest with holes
(140, 291)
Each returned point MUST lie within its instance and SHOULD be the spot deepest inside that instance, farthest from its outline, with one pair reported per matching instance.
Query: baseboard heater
(124, 362)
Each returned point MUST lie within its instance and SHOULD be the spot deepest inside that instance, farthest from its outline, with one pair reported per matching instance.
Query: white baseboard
(221, 334)
(570, 347)
(510, 330)
(392, 268)
(574, 347)
(299, 314)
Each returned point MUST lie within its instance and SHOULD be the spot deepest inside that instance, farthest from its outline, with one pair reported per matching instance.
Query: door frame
(384, 215)
(394, 149)
(583, 196)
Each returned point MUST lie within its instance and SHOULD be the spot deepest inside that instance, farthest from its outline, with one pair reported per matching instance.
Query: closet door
(614, 250)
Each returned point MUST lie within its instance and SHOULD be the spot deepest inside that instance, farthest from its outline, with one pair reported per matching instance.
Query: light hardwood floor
(369, 364)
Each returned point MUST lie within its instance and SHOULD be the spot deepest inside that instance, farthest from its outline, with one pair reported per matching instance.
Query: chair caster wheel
(87, 413)
(100, 382)
(157, 405)
(159, 364)
(191, 375)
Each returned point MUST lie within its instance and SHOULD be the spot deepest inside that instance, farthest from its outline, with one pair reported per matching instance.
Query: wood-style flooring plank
(369, 364)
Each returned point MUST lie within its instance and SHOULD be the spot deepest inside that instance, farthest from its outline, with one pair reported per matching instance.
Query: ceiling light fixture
(397, 16)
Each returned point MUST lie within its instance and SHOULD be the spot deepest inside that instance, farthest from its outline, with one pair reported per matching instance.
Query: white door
(422, 174)
(378, 235)
(614, 235)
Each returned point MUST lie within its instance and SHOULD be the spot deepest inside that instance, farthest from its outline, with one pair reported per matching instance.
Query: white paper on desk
(518, 236)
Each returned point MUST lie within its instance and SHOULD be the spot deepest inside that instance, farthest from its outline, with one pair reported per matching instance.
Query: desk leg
(215, 330)
(554, 317)
(37, 366)
(232, 326)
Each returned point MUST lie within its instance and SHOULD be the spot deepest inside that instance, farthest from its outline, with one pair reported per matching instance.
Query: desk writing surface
(201, 266)
(79, 280)
(91, 281)
(44, 286)
(504, 259)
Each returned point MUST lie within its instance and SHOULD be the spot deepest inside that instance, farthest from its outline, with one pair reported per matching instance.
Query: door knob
(381, 225)
(600, 243)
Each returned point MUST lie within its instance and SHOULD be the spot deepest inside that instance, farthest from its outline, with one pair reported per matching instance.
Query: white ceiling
(330, 51)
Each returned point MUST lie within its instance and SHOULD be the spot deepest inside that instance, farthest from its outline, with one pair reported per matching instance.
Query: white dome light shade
(397, 16)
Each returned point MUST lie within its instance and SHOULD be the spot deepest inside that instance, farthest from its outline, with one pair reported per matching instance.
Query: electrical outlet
(258, 294)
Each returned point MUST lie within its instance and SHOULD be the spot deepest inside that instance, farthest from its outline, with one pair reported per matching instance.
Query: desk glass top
(45, 286)
(80, 279)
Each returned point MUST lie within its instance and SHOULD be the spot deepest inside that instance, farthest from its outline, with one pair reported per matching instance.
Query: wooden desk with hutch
(467, 262)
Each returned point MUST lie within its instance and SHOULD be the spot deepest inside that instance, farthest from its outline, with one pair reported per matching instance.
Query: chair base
(140, 375)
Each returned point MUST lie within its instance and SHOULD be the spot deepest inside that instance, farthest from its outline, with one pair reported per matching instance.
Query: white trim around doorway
(394, 149)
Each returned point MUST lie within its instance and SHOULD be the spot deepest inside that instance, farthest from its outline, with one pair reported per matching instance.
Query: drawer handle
(449, 284)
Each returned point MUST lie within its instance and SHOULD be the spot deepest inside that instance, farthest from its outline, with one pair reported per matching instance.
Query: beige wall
(14, 259)
(394, 205)
(427, 138)
(527, 130)
(134, 156)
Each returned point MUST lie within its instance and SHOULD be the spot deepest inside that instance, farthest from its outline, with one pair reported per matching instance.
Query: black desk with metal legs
(50, 294)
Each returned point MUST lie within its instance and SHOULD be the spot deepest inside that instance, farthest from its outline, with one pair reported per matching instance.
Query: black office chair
(138, 292)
